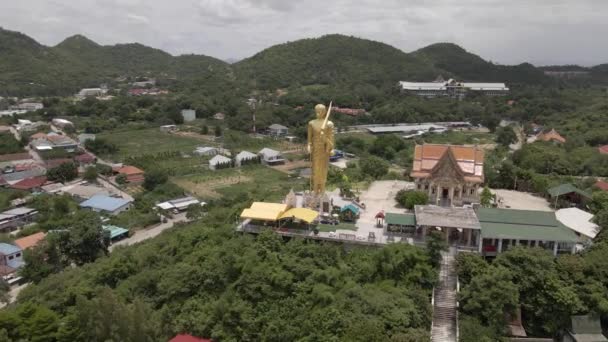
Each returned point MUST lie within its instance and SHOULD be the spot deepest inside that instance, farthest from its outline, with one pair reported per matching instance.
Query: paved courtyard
(379, 196)
(521, 200)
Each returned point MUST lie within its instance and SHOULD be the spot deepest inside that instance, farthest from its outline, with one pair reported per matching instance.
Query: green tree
(63, 173)
(373, 167)
(505, 136)
(435, 244)
(90, 174)
(154, 178)
(204, 129)
(195, 212)
(486, 197)
(217, 131)
(490, 296)
(409, 199)
(121, 179)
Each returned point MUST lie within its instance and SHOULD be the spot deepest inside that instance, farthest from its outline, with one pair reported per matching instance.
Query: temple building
(450, 174)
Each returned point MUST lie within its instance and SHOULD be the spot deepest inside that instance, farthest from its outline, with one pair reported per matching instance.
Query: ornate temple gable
(447, 169)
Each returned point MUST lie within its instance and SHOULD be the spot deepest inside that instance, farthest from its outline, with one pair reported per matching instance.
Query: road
(149, 233)
(139, 236)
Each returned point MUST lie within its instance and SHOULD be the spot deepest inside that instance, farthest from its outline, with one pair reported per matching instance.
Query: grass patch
(147, 141)
(332, 228)
(257, 182)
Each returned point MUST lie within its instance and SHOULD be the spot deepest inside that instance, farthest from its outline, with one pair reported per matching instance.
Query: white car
(332, 234)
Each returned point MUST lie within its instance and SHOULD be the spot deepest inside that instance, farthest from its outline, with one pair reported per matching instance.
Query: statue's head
(321, 111)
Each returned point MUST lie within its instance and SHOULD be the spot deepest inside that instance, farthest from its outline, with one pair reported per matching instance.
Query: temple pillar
(480, 243)
(451, 193)
(499, 249)
(555, 248)
(469, 233)
(573, 249)
(447, 234)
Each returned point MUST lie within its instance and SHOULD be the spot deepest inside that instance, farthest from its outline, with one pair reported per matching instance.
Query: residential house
(601, 185)
(188, 338)
(90, 92)
(578, 221)
(584, 329)
(27, 106)
(348, 111)
(11, 259)
(206, 151)
(16, 157)
(552, 136)
(189, 115)
(84, 192)
(180, 204)
(30, 240)
(85, 159)
(278, 130)
(502, 229)
(219, 162)
(452, 88)
(269, 156)
(132, 174)
(14, 219)
(84, 137)
(18, 176)
(168, 128)
(53, 141)
(244, 157)
(62, 123)
(107, 205)
(33, 184)
(603, 149)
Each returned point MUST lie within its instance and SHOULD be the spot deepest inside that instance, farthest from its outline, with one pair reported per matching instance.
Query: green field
(255, 182)
(147, 141)
(333, 228)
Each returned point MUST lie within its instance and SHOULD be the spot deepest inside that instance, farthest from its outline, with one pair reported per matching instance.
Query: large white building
(452, 88)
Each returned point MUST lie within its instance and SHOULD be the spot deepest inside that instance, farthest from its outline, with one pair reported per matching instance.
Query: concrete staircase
(445, 319)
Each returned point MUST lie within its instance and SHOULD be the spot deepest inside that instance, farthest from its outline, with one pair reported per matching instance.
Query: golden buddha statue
(320, 147)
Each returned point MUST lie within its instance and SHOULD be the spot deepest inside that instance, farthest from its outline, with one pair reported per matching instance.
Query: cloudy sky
(506, 31)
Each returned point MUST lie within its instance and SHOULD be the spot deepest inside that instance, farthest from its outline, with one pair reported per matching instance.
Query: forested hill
(30, 68)
(470, 67)
(331, 59)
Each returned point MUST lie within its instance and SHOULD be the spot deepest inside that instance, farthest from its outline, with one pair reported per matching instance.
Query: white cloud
(540, 31)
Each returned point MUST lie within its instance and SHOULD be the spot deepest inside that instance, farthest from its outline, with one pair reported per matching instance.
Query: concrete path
(149, 233)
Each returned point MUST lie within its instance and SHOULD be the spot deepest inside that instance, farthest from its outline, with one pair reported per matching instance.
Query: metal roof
(106, 203)
(456, 217)
(400, 219)
(523, 225)
(219, 159)
(567, 188)
(8, 249)
(115, 231)
(578, 220)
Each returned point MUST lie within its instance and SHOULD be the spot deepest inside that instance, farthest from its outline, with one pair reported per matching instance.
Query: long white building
(452, 88)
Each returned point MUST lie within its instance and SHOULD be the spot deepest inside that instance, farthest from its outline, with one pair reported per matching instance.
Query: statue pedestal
(318, 202)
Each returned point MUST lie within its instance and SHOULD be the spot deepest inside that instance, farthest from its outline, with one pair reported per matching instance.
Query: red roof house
(30, 183)
(84, 159)
(552, 135)
(601, 185)
(188, 338)
(133, 174)
(30, 240)
(603, 149)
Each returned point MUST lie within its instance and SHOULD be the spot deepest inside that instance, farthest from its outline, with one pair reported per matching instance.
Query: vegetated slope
(29, 68)
(331, 59)
(470, 67)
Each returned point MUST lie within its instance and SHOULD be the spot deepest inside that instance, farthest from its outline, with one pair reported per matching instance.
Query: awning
(264, 211)
(303, 214)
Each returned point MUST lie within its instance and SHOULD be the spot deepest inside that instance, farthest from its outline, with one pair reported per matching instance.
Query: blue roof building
(10, 256)
(115, 231)
(106, 204)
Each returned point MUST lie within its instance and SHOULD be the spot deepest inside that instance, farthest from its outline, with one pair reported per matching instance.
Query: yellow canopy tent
(303, 214)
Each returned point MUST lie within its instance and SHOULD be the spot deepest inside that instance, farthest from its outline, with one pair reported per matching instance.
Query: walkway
(445, 320)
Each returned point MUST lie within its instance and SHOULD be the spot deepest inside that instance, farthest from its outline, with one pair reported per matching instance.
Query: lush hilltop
(331, 59)
(470, 67)
(29, 68)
